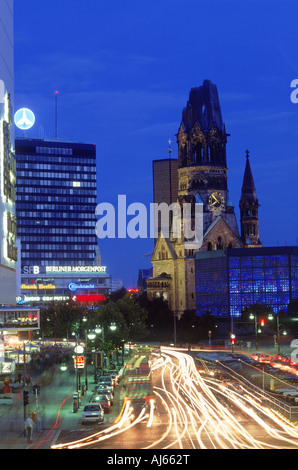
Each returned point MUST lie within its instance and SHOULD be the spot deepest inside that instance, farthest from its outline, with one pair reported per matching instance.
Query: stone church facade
(203, 184)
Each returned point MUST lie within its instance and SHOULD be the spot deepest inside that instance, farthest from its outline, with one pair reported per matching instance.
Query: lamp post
(91, 335)
(254, 317)
(278, 325)
(101, 330)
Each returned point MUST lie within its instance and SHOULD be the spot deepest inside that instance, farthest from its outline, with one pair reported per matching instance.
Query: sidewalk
(55, 405)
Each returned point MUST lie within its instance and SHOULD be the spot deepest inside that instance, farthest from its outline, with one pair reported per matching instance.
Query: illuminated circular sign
(24, 119)
(73, 286)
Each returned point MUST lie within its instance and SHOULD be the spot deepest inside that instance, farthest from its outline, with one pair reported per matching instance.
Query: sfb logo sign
(30, 269)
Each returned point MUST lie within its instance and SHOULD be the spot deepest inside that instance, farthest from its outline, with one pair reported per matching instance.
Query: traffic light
(262, 321)
(26, 397)
(232, 338)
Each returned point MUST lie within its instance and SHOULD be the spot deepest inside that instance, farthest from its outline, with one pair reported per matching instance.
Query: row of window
(61, 246)
(56, 215)
(68, 177)
(56, 239)
(23, 183)
(259, 273)
(258, 261)
(60, 199)
(57, 207)
(54, 167)
(260, 286)
(57, 256)
(56, 159)
(54, 191)
(46, 230)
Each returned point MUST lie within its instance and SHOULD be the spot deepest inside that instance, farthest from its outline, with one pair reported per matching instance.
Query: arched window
(219, 243)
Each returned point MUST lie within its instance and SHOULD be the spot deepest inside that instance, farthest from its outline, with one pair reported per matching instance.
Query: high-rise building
(165, 184)
(55, 204)
(8, 251)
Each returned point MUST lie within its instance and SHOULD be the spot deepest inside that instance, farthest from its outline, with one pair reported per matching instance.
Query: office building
(56, 202)
(165, 186)
(56, 198)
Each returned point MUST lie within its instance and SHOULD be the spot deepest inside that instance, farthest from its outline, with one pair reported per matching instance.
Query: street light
(254, 317)
(89, 335)
(100, 329)
(278, 325)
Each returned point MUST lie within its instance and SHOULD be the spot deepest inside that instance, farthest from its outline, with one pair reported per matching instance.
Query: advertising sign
(79, 362)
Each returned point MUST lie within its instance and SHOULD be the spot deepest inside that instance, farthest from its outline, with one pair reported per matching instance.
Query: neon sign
(75, 269)
(89, 298)
(73, 286)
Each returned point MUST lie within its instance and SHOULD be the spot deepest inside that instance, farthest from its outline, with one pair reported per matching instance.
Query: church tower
(202, 162)
(202, 186)
(249, 209)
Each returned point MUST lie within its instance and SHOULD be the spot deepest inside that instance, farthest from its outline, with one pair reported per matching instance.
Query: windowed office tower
(56, 198)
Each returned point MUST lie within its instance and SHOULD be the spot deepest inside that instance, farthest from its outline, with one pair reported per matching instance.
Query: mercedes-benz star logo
(24, 119)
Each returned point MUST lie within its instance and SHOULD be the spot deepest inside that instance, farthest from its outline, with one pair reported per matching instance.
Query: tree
(134, 316)
(159, 320)
(57, 319)
(192, 328)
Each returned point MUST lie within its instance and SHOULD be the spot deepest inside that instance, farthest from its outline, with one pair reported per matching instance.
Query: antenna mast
(56, 114)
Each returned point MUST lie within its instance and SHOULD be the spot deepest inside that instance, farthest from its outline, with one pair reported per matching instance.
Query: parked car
(93, 412)
(106, 379)
(106, 383)
(103, 389)
(104, 386)
(103, 400)
(115, 375)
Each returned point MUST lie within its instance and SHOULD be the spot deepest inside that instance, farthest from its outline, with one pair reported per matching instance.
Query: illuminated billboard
(19, 319)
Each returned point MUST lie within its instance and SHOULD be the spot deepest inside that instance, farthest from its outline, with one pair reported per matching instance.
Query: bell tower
(249, 209)
(202, 161)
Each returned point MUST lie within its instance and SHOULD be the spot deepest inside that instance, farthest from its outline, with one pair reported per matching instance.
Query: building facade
(203, 188)
(228, 281)
(44, 284)
(165, 184)
(55, 202)
(8, 250)
(56, 198)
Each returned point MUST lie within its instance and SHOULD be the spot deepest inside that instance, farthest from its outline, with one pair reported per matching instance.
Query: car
(109, 393)
(103, 400)
(92, 413)
(102, 389)
(106, 384)
(115, 375)
(106, 379)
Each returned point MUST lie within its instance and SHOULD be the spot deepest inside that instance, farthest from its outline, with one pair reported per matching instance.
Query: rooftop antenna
(56, 114)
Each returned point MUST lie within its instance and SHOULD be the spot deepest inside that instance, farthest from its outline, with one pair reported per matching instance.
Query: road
(192, 411)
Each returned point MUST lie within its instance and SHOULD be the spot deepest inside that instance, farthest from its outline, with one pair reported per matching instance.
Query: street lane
(192, 410)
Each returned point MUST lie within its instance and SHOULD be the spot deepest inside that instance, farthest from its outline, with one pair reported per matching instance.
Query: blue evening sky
(124, 69)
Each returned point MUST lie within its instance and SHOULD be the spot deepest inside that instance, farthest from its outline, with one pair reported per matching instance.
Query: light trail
(202, 413)
(207, 403)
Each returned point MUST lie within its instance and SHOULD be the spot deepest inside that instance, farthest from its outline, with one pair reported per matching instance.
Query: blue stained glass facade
(267, 276)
